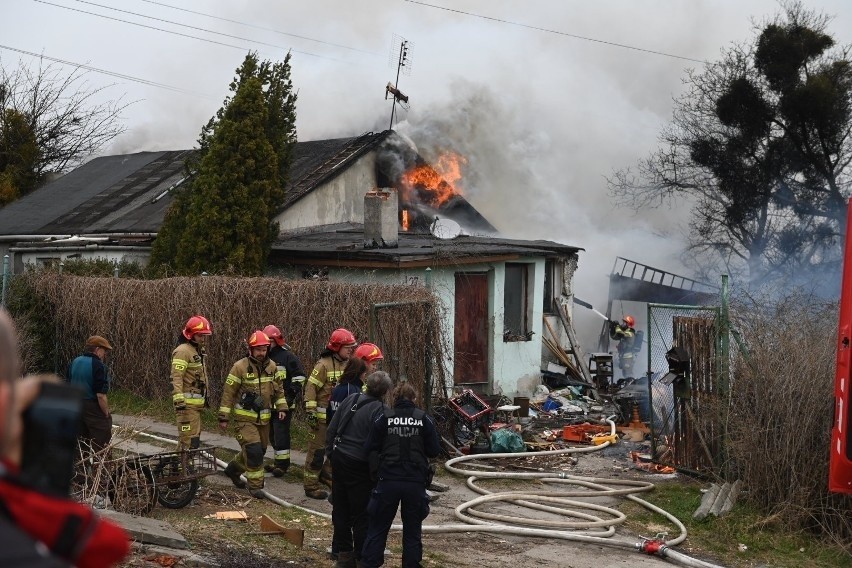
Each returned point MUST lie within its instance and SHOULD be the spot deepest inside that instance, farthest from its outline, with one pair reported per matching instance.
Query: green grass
(720, 537)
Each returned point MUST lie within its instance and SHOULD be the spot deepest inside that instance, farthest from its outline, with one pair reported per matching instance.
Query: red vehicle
(840, 463)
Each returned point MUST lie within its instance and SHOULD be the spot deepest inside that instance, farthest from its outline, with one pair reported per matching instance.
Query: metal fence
(686, 406)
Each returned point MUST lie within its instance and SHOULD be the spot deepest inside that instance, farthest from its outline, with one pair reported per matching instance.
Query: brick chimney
(381, 224)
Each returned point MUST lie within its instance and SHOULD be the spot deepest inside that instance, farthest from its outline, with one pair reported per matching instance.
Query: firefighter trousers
(253, 439)
(281, 439)
(189, 428)
(316, 466)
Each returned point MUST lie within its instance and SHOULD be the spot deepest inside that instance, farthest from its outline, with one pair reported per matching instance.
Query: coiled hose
(587, 522)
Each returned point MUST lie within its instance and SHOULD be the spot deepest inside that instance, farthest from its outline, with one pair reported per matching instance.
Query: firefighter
(291, 374)
(324, 377)
(371, 355)
(625, 334)
(250, 394)
(189, 380)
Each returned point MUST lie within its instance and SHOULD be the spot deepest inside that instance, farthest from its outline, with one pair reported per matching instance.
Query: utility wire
(557, 32)
(109, 73)
(241, 48)
(255, 26)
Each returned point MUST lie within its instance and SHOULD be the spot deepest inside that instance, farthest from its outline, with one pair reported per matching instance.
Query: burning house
(363, 209)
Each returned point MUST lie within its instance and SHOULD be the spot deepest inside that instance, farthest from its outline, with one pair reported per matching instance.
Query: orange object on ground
(583, 432)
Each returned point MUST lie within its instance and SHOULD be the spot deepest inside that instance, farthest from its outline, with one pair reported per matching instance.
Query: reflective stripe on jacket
(249, 376)
(189, 377)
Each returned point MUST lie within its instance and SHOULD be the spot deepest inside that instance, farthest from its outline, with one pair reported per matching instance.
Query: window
(516, 302)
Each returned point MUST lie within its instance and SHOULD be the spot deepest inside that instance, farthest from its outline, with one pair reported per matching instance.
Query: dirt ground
(230, 543)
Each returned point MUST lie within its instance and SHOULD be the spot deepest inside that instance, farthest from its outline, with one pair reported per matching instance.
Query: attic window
(517, 302)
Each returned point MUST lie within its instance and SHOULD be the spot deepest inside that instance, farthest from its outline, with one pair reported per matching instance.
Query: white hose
(598, 529)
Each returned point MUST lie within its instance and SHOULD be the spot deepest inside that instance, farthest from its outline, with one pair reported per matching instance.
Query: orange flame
(435, 184)
(405, 222)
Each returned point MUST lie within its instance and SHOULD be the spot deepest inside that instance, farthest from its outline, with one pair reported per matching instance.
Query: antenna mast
(402, 56)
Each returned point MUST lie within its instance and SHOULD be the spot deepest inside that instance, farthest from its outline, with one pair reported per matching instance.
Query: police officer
(405, 438)
(291, 374)
(324, 377)
(250, 393)
(189, 380)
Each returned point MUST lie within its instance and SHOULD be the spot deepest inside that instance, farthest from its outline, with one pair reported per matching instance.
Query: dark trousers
(96, 429)
(385, 500)
(350, 494)
(280, 439)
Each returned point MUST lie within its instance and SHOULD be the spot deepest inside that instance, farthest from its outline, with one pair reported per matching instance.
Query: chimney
(381, 224)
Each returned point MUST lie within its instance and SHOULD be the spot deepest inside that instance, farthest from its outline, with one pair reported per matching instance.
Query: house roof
(344, 246)
(129, 193)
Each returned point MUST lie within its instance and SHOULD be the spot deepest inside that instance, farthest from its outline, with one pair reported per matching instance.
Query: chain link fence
(686, 387)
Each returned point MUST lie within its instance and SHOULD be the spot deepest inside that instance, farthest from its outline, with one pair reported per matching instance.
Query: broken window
(549, 283)
(516, 302)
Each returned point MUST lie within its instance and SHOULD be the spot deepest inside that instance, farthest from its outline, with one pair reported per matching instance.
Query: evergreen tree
(222, 220)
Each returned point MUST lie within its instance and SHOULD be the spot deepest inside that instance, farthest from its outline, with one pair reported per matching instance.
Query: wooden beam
(575, 346)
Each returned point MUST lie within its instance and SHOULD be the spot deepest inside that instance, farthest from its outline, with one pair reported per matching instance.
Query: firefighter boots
(257, 493)
(234, 476)
(345, 560)
(316, 493)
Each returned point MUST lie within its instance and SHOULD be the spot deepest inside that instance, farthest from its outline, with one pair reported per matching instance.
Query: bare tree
(66, 115)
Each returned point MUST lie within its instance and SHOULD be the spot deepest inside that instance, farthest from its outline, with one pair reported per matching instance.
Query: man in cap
(90, 374)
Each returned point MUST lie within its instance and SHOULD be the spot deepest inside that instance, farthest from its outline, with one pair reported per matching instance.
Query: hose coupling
(653, 546)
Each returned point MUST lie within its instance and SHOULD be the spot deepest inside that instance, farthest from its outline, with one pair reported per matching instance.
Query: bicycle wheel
(175, 494)
(133, 490)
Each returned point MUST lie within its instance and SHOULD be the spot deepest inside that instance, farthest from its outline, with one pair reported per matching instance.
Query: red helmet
(341, 338)
(629, 321)
(274, 334)
(369, 352)
(258, 339)
(196, 325)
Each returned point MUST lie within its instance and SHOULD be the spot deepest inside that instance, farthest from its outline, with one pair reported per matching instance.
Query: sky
(545, 98)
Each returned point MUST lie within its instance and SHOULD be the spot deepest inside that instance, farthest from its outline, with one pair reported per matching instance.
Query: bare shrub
(781, 410)
(143, 318)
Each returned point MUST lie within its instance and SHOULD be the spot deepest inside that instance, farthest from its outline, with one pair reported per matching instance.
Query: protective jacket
(339, 394)
(405, 436)
(189, 377)
(251, 392)
(625, 337)
(289, 371)
(322, 381)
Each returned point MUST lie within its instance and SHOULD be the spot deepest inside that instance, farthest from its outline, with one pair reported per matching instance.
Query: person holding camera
(89, 373)
(291, 374)
(324, 377)
(250, 394)
(189, 381)
(40, 527)
(405, 438)
(347, 434)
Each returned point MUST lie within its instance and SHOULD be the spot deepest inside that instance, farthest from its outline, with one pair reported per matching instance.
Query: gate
(686, 389)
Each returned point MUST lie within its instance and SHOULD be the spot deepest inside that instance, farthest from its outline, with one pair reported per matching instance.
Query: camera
(51, 426)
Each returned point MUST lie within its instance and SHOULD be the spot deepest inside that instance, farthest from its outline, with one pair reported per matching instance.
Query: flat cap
(98, 341)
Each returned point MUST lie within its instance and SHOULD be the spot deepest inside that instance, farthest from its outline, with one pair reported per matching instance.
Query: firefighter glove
(313, 421)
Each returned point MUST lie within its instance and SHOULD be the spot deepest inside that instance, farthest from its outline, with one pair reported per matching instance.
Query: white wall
(514, 367)
(36, 258)
(340, 200)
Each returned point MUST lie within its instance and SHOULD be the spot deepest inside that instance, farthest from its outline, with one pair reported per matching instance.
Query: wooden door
(470, 352)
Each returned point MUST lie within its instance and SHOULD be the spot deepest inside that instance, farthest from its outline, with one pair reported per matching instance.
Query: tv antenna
(401, 55)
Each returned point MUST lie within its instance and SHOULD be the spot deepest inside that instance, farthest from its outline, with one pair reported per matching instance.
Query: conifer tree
(222, 220)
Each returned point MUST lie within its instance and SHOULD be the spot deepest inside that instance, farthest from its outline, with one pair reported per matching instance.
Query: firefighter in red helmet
(371, 355)
(291, 374)
(251, 394)
(625, 334)
(321, 382)
(189, 380)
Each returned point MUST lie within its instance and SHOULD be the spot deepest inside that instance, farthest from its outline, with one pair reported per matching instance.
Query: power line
(557, 32)
(109, 73)
(255, 26)
(241, 48)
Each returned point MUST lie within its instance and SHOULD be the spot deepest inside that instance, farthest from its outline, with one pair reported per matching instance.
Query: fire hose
(588, 516)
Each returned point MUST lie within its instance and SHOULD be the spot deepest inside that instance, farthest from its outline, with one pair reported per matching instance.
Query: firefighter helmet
(369, 352)
(258, 339)
(196, 325)
(341, 338)
(629, 321)
(274, 334)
